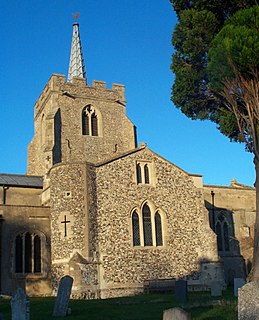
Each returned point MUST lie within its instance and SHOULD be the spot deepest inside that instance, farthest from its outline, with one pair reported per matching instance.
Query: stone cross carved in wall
(65, 224)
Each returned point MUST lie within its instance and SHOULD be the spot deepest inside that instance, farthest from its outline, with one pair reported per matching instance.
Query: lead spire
(76, 62)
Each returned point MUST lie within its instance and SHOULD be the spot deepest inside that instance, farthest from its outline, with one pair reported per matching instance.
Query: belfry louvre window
(28, 253)
(143, 172)
(90, 121)
(147, 229)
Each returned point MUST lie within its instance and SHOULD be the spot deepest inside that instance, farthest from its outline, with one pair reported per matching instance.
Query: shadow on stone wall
(222, 223)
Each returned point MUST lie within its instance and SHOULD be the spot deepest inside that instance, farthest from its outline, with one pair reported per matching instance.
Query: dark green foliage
(200, 21)
(237, 44)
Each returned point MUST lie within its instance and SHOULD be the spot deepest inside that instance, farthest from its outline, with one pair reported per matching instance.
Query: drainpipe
(1, 223)
(213, 210)
(5, 188)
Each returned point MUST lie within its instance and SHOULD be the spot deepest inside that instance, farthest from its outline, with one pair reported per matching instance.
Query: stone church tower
(115, 216)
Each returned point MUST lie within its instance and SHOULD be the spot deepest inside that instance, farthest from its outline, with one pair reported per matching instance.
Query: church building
(111, 213)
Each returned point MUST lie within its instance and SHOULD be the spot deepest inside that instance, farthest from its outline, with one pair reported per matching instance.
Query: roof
(21, 180)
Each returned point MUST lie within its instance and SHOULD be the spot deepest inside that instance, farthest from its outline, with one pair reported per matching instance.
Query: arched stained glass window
(158, 228)
(147, 227)
(222, 231)
(135, 229)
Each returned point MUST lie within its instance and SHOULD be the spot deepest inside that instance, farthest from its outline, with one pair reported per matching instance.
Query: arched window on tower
(90, 121)
(147, 227)
(28, 253)
(135, 229)
(158, 228)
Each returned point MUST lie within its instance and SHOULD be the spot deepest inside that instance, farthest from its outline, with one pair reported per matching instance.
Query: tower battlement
(77, 88)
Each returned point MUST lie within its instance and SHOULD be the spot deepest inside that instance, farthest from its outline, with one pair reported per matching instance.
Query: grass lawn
(147, 307)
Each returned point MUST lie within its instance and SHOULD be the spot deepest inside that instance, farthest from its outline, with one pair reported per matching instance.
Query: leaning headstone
(216, 289)
(20, 305)
(248, 301)
(176, 314)
(62, 300)
(181, 290)
(238, 283)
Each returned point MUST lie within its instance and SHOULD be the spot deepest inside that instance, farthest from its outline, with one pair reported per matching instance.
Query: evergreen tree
(217, 71)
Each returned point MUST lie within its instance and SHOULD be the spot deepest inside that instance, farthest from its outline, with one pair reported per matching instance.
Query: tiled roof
(20, 180)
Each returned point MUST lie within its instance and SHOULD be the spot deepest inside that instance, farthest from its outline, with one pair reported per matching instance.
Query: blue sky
(124, 41)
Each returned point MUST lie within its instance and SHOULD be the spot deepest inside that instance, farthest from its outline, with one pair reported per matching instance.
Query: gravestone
(20, 305)
(181, 290)
(62, 300)
(238, 283)
(216, 289)
(248, 301)
(176, 314)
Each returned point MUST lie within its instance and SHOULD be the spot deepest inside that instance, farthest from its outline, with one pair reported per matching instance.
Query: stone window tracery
(144, 172)
(222, 231)
(90, 121)
(147, 227)
(28, 255)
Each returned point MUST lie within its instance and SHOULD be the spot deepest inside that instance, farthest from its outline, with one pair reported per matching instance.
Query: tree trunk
(255, 269)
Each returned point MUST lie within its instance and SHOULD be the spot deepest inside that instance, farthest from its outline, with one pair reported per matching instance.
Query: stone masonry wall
(172, 191)
(116, 132)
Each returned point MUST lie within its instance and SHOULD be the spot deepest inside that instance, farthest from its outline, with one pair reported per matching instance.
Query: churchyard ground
(200, 305)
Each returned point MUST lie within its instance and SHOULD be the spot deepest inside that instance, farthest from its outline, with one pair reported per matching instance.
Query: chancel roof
(20, 180)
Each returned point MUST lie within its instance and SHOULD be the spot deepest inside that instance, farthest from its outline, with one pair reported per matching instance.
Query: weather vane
(76, 15)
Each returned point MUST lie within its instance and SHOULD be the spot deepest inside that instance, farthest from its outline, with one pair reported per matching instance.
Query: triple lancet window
(222, 231)
(90, 125)
(147, 227)
(28, 253)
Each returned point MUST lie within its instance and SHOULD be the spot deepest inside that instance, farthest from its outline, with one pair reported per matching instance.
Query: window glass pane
(18, 254)
(37, 254)
(147, 226)
(94, 125)
(219, 235)
(146, 173)
(135, 229)
(158, 226)
(139, 179)
(28, 253)
(85, 123)
(226, 237)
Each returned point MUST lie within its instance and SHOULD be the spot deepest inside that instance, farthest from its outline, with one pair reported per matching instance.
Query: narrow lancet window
(94, 125)
(139, 178)
(135, 229)
(37, 254)
(19, 254)
(146, 173)
(85, 123)
(158, 227)
(147, 226)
